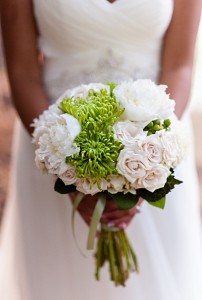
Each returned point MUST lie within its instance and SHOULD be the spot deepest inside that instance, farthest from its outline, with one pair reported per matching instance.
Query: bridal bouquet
(119, 141)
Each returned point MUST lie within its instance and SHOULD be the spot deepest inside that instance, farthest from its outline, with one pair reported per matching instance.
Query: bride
(82, 42)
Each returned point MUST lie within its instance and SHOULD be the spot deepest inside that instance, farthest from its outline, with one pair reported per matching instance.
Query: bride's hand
(112, 216)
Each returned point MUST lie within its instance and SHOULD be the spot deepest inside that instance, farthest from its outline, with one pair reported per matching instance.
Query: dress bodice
(95, 40)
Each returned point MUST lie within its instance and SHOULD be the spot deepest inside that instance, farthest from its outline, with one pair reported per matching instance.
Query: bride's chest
(100, 17)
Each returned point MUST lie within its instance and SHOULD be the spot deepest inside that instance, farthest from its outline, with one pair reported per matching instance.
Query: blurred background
(8, 115)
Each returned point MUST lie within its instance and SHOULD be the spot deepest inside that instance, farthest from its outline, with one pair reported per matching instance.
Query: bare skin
(178, 51)
(25, 72)
(22, 57)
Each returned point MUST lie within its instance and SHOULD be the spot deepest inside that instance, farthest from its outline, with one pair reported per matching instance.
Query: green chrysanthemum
(99, 150)
(98, 109)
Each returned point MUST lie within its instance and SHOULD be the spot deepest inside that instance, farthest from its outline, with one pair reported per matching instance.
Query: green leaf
(125, 201)
(160, 203)
(172, 181)
(97, 214)
(61, 188)
(159, 193)
(152, 197)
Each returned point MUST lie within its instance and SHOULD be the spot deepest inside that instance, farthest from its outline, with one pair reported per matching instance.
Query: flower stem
(99, 257)
(113, 246)
(112, 258)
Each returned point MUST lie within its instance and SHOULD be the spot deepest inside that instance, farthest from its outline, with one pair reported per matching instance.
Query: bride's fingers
(120, 218)
(122, 223)
(116, 214)
(111, 215)
(112, 207)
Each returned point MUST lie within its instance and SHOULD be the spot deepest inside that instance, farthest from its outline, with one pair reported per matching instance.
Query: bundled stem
(114, 247)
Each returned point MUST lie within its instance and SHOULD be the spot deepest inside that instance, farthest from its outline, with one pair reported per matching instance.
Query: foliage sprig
(157, 125)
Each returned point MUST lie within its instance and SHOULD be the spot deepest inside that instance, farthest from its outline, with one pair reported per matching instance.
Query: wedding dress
(96, 41)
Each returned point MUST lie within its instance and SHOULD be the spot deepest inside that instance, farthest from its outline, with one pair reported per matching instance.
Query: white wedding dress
(96, 41)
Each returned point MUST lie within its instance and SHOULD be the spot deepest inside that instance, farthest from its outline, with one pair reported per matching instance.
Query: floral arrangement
(119, 141)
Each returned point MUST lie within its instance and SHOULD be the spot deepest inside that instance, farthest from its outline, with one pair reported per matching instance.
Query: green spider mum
(99, 150)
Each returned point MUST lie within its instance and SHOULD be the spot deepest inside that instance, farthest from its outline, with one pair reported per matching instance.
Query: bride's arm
(178, 51)
(22, 59)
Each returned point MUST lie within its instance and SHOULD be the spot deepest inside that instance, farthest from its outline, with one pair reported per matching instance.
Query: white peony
(143, 100)
(183, 138)
(86, 187)
(83, 89)
(40, 164)
(46, 118)
(55, 141)
(132, 164)
(69, 176)
(126, 132)
(154, 179)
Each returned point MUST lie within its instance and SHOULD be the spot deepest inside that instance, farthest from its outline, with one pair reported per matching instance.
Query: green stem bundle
(114, 247)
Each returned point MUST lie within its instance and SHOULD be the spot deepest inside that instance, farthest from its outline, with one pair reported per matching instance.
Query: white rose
(56, 142)
(85, 186)
(170, 148)
(69, 176)
(82, 91)
(153, 148)
(154, 179)
(126, 132)
(132, 165)
(143, 100)
(115, 184)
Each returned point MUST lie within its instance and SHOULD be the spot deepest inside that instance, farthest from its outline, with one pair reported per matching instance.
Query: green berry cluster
(157, 125)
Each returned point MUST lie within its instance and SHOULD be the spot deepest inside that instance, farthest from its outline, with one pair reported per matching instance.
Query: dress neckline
(111, 2)
(108, 4)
